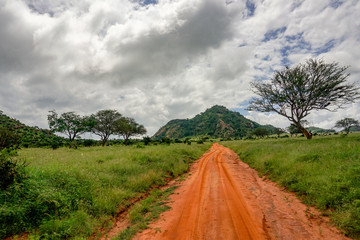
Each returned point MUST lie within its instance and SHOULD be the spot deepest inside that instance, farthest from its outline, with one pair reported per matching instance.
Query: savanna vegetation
(295, 92)
(324, 172)
(30, 136)
(72, 193)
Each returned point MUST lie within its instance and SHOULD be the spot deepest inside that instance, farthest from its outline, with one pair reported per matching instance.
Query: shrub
(8, 138)
(147, 140)
(10, 171)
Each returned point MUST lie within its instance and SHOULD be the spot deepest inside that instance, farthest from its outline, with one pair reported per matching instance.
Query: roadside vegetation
(73, 193)
(324, 172)
(146, 211)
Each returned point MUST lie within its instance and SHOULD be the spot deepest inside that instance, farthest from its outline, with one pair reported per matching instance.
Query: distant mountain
(217, 121)
(320, 130)
(29, 136)
(354, 129)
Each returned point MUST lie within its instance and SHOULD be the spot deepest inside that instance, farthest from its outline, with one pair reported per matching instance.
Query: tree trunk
(306, 133)
(347, 129)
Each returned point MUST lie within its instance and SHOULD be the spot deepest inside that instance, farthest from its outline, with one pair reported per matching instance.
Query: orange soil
(225, 199)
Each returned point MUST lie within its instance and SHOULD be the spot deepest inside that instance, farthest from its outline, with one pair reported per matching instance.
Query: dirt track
(225, 199)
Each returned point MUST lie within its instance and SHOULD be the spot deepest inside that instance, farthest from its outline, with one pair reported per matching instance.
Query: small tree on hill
(127, 127)
(69, 123)
(295, 92)
(346, 124)
(105, 124)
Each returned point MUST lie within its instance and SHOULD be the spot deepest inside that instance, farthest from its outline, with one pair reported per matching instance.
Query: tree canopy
(346, 124)
(127, 127)
(279, 131)
(295, 92)
(260, 132)
(69, 123)
(105, 123)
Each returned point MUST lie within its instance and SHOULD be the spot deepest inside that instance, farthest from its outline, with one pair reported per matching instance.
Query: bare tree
(295, 92)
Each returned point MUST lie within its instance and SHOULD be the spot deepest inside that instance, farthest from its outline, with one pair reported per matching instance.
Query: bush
(89, 142)
(146, 140)
(10, 171)
(8, 138)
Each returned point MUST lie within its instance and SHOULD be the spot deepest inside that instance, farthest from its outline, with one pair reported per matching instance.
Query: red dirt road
(225, 199)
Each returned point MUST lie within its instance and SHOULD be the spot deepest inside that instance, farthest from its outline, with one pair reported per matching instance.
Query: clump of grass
(324, 172)
(147, 211)
(86, 186)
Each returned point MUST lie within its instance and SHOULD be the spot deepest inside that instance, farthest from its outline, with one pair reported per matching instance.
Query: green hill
(320, 130)
(29, 136)
(217, 121)
(354, 129)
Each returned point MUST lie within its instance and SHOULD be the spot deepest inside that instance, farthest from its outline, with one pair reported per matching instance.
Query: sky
(158, 60)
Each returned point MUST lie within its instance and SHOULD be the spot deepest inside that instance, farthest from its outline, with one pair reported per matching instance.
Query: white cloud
(168, 60)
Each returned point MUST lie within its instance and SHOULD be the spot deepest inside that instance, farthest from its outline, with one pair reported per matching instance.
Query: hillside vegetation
(324, 172)
(30, 136)
(73, 193)
(218, 122)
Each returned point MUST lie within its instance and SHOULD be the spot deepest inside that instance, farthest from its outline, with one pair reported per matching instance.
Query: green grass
(324, 172)
(146, 211)
(73, 193)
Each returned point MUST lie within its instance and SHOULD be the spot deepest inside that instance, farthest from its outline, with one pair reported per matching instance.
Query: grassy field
(73, 193)
(324, 172)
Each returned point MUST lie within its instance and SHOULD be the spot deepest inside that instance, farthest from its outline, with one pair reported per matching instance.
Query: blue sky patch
(273, 34)
(148, 2)
(250, 5)
(336, 3)
(242, 111)
(325, 48)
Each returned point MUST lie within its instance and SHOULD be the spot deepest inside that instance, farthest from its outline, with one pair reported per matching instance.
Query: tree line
(103, 123)
(344, 124)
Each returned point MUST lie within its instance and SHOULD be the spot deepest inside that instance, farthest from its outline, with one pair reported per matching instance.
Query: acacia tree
(295, 92)
(105, 124)
(346, 124)
(279, 131)
(69, 123)
(127, 127)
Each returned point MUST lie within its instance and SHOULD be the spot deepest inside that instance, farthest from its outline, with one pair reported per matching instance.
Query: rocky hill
(217, 121)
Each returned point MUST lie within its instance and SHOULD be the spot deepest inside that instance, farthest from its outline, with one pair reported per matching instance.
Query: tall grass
(72, 193)
(323, 172)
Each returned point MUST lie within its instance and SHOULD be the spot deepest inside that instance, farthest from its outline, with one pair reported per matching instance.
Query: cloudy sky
(156, 60)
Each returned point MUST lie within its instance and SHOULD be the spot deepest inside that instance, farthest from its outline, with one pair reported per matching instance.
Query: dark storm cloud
(16, 44)
(159, 60)
(163, 54)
